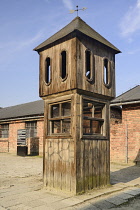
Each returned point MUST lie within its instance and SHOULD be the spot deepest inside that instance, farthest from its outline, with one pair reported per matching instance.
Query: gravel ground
(18, 172)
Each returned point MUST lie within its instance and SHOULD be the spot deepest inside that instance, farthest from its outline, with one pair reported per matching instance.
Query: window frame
(103, 135)
(61, 65)
(29, 129)
(60, 118)
(5, 130)
(91, 64)
(50, 70)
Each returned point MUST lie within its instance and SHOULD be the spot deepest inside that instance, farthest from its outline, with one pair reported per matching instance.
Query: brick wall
(127, 130)
(4, 145)
(13, 127)
(10, 144)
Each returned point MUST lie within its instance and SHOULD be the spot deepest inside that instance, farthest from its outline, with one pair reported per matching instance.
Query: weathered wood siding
(60, 164)
(57, 84)
(99, 52)
(71, 163)
(92, 156)
(93, 170)
(76, 78)
(59, 153)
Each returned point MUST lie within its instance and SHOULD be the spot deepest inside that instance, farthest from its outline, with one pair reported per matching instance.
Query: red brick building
(125, 126)
(22, 126)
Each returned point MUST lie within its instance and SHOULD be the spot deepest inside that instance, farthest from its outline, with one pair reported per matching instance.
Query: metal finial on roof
(76, 10)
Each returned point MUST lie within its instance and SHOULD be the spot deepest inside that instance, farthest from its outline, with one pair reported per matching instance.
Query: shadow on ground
(125, 175)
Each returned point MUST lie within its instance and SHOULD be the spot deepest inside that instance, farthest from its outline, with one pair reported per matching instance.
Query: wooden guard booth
(77, 82)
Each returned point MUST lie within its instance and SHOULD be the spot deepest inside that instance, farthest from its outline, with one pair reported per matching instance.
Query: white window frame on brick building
(4, 131)
(31, 129)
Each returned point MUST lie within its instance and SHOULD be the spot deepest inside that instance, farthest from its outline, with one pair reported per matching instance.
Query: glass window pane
(4, 131)
(66, 126)
(55, 110)
(56, 126)
(31, 129)
(66, 109)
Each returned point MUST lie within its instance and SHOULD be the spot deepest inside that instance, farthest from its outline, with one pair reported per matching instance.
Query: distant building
(22, 125)
(125, 126)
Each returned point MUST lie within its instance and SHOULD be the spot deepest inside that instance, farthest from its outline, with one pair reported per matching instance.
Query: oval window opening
(106, 73)
(48, 71)
(88, 64)
(63, 65)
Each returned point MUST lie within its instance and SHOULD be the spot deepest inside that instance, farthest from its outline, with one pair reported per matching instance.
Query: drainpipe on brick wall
(126, 142)
(8, 145)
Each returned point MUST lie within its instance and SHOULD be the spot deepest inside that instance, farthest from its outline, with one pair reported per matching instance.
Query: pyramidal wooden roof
(77, 24)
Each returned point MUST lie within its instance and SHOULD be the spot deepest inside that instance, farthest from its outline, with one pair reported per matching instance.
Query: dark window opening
(92, 118)
(48, 71)
(66, 108)
(106, 72)
(66, 126)
(88, 64)
(56, 126)
(63, 65)
(60, 118)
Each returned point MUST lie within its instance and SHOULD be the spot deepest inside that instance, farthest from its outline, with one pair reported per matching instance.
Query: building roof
(129, 96)
(35, 108)
(77, 24)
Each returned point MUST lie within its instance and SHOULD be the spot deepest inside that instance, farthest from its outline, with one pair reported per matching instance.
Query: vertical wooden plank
(86, 165)
(73, 63)
(64, 162)
(104, 163)
(98, 163)
(72, 167)
(101, 168)
(108, 162)
(51, 148)
(90, 165)
(59, 164)
(49, 163)
(95, 164)
(68, 167)
(55, 163)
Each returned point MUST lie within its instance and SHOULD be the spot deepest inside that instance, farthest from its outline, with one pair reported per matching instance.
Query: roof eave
(22, 118)
(120, 103)
(71, 35)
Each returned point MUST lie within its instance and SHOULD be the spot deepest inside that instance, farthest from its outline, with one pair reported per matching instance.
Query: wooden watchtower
(77, 82)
